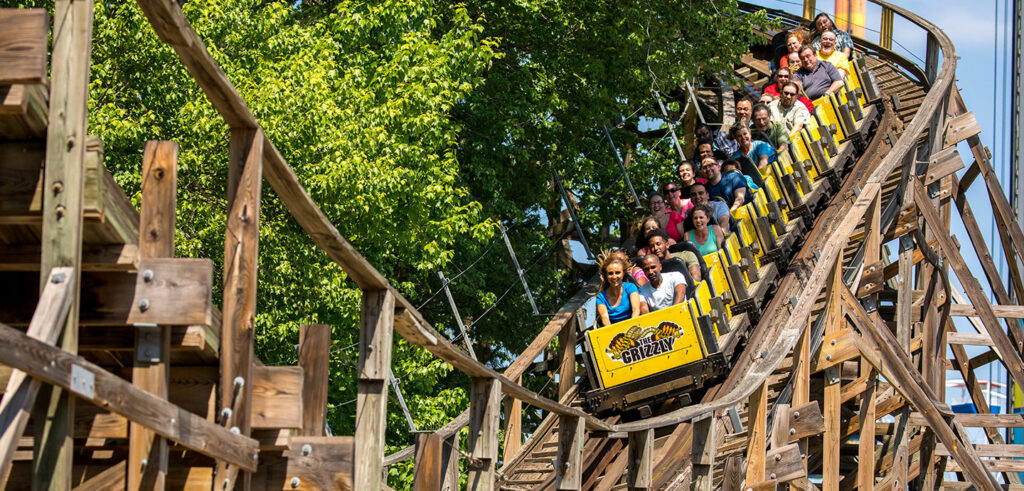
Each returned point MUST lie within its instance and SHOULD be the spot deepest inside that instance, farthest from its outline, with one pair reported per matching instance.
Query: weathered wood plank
(241, 246)
(374, 369)
(702, 460)
(834, 322)
(320, 462)
(758, 422)
(62, 219)
(485, 395)
(977, 420)
(21, 391)
(895, 366)
(179, 293)
(1002, 311)
(23, 46)
(147, 454)
(427, 472)
(55, 366)
(314, 358)
(1007, 353)
(277, 399)
(569, 460)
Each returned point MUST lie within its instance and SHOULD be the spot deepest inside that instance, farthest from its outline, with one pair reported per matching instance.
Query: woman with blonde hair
(618, 299)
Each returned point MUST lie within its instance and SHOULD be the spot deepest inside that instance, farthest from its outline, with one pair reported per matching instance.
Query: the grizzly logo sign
(638, 344)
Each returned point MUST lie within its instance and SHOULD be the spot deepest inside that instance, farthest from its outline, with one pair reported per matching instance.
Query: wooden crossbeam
(70, 372)
(23, 46)
(978, 420)
(878, 349)
(1004, 348)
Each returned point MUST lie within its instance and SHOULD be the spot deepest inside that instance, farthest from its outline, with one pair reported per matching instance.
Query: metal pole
(693, 99)
(519, 270)
(622, 167)
(572, 214)
(401, 402)
(671, 127)
(458, 318)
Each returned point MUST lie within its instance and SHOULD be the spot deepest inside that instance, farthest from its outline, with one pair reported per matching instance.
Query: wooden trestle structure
(847, 338)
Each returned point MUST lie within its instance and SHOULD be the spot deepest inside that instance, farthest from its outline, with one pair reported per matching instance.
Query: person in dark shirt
(815, 77)
(731, 188)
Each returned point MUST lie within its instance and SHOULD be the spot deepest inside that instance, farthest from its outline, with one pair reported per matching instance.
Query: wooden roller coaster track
(841, 353)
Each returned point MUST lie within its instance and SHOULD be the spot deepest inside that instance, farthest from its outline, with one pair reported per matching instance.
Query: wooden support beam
(485, 394)
(878, 349)
(179, 292)
(513, 426)
(567, 349)
(569, 459)
(757, 420)
(147, 454)
(834, 322)
(314, 358)
(450, 463)
(866, 445)
(702, 459)
(64, 179)
(641, 457)
(1004, 348)
(102, 388)
(241, 245)
(21, 391)
(1002, 211)
(995, 279)
(375, 336)
(427, 471)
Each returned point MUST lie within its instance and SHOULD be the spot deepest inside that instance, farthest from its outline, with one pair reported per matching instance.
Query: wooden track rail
(829, 336)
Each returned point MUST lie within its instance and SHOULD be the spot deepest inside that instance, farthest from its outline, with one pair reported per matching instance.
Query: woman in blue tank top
(618, 300)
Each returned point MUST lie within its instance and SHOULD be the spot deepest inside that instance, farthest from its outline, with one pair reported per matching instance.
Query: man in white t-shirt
(662, 289)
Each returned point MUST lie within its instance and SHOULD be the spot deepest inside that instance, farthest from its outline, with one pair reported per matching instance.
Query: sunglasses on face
(674, 190)
(782, 76)
(791, 94)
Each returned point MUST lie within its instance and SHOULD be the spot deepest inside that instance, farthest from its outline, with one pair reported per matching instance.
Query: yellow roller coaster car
(638, 362)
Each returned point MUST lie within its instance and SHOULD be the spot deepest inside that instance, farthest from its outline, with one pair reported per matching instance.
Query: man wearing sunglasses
(773, 91)
(787, 111)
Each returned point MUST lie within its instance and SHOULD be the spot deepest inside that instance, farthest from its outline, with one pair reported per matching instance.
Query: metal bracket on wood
(832, 375)
(458, 318)
(519, 270)
(734, 417)
(147, 343)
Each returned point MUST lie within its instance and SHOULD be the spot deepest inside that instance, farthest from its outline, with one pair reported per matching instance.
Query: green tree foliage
(416, 126)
